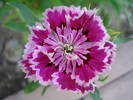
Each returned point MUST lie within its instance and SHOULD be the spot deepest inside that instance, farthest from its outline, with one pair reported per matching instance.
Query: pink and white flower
(70, 50)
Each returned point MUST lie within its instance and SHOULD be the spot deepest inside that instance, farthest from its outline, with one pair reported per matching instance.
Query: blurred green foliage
(17, 15)
(31, 86)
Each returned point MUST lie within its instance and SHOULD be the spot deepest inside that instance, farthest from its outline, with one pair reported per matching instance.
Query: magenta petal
(97, 31)
(111, 50)
(27, 68)
(97, 60)
(39, 35)
(92, 26)
(97, 65)
(27, 65)
(64, 81)
(84, 90)
(110, 45)
(80, 22)
(97, 53)
(84, 75)
(44, 74)
(59, 13)
(41, 58)
(42, 65)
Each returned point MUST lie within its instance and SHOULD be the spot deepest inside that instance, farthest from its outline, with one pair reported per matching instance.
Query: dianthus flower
(70, 49)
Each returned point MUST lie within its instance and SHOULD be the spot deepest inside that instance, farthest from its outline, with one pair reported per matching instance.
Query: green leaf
(45, 4)
(72, 2)
(86, 3)
(32, 86)
(114, 36)
(49, 3)
(56, 2)
(129, 17)
(25, 35)
(115, 5)
(122, 40)
(106, 19)
(16, 26)
(25, 12)
(95, 95)
(3, 11)
(103, 78)
(44, 89)
(113, 33)
(129, 2)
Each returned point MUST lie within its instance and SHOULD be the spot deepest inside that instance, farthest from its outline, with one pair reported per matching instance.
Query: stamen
(67, 48)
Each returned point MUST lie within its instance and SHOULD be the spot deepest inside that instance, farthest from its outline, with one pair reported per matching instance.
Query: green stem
(95, 95)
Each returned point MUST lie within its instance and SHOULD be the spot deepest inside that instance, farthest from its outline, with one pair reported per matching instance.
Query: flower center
(67, 48)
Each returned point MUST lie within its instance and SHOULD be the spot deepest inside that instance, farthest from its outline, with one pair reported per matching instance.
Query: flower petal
(84, 75)
(38, 35)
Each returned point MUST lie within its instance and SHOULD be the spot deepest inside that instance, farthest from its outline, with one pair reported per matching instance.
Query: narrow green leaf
(86, 3)
(44, 89)
(103, 78)
(129, 17)
(95, 95)
(115, 5)
(25, 12)
(99, 1)
(129, 2)
(3, 11)
(56, 2)
(25, 35)
(106, 19)
(45, 4)
(72, 2)
(113, 33)
(16, 26)
(122, 40)
(30, 87)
